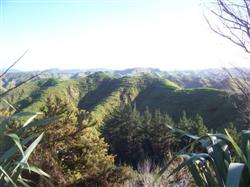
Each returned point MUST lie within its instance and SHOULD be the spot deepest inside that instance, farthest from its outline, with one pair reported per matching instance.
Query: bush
(74, 151)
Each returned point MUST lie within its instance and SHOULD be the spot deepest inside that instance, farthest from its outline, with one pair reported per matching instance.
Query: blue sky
(113, 34)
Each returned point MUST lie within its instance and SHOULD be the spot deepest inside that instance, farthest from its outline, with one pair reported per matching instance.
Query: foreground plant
(16, 148)
(215, 159)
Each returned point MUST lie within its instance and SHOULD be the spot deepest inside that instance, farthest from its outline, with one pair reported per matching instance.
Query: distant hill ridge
(207, 78)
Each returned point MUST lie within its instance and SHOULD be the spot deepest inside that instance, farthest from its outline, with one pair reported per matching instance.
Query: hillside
(213, 105)
(101, 93)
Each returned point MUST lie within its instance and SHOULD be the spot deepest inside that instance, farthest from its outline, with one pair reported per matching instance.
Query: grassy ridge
(31, 96)
(213, 105)
(101, 94)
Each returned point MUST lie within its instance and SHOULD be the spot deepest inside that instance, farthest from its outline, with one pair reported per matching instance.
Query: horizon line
(16, 70)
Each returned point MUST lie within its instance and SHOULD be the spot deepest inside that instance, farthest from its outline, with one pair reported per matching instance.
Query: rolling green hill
(101, 93)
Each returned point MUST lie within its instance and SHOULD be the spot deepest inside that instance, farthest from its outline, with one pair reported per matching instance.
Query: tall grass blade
(31, 119)
(9, 178)
(237, 148)
(235, 172)
(12, 151)
(16, 139)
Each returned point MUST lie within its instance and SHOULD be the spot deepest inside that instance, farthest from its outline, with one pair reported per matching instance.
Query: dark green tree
(160, 140)
(146, 119)
(134, 137)
(122, 132)
(194, 126)
(199, 128)
(185, 123)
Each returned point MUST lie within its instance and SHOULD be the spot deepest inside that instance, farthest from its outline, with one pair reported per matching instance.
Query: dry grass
(147, 171)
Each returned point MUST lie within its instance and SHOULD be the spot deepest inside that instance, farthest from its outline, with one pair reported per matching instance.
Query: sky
(112, 34)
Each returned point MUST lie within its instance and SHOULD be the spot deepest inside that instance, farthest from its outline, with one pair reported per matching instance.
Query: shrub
(74, 151)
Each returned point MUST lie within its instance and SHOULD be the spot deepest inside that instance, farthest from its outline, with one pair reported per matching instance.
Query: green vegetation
(213, 105)
(216, 159)
(195, 126)
(135, 136)
(109, 126)
(16, 148)
(130, 128)
(101, 94)
(74, 151)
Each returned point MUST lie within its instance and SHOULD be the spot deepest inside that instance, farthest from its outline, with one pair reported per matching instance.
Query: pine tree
(161, 138)
(185, 123)
(134, 137)
(194, 126)
(146, 132)
(122, 132)
(199, 128)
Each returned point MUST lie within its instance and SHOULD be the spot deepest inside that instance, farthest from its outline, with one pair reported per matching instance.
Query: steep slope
(213, 105)
(113, 92)
(31, 96)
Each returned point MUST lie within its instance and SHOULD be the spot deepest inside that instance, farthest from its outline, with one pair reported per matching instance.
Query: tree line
(136, 136)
